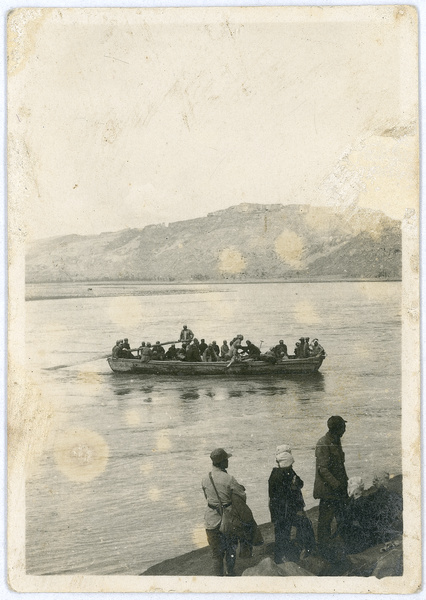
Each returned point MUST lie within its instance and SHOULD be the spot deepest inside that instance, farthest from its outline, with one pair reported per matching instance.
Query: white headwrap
(283, 456)
(355, 487)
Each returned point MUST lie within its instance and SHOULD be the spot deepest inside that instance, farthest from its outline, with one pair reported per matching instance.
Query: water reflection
(123, 392)
(189, 395)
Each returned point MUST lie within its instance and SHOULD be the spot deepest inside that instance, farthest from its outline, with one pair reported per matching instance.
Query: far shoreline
(89, 292)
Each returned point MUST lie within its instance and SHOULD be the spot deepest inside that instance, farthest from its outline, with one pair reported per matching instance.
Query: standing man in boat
(331, 482)
(218, 488)
(186, 334)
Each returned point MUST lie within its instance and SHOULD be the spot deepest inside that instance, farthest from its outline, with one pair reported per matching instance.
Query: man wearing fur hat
(331, 481)
(286, 505)
(218, 488)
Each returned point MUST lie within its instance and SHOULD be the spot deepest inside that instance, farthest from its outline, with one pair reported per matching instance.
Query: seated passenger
(224, 350)
(371, 517)
(116, 350)
(171, 353)
(252, 350)
(122, 352)
(126, 344)
(268, 356)
(146, 353)
(307, 351)
(281, 350)
(202, 346)
(193, 352)
(209, 355)
(181, 352)
(158, 351)
(297, 350)
(316, 348)
(216, 348)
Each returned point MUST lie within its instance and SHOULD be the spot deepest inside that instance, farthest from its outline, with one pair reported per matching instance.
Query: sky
(124, 119)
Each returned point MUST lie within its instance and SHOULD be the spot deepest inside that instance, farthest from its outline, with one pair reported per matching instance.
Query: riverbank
(61, 290)
(383, 560)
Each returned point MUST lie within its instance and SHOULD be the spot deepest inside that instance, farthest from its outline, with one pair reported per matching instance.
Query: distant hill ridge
(243, 242)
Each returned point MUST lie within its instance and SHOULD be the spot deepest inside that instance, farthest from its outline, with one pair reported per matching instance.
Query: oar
(231, 362)
(161, 344)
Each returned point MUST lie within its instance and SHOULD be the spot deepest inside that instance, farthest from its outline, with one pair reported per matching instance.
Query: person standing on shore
(331, 481)
(287, 506)
(218, 488)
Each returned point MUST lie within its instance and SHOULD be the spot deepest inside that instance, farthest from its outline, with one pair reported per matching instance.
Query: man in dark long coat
(331, 481)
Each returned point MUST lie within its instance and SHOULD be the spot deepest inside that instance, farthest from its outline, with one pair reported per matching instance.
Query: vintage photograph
(214, 370)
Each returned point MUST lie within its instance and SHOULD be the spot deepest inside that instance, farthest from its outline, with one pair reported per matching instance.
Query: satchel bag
(227, 525)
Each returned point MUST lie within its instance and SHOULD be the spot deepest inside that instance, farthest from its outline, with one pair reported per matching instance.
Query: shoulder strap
(217, 494)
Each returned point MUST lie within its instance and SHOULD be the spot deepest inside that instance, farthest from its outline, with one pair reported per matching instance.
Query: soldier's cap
(335, 422)
(219, 454)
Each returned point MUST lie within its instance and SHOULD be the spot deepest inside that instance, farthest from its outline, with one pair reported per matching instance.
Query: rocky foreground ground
(383, 560)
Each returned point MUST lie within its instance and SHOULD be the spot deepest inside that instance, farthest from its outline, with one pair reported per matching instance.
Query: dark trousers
(223, 547)
(328, 509)
(305, 538)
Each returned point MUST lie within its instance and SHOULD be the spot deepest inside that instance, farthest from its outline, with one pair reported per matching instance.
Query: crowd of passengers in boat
(188, 348)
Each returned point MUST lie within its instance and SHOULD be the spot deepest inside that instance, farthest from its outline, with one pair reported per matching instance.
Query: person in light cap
(218, 488)
(331, 482)
(286, 506)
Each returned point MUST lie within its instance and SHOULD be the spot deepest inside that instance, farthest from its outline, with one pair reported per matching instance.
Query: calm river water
(115, 486)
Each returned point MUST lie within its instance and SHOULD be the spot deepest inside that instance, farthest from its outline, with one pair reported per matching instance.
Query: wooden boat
(245, 367)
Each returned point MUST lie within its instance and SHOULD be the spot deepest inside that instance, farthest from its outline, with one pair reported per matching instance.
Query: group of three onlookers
(362, 518)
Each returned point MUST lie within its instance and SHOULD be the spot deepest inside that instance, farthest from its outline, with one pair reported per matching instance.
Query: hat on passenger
(219, 454)
(335, 422)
